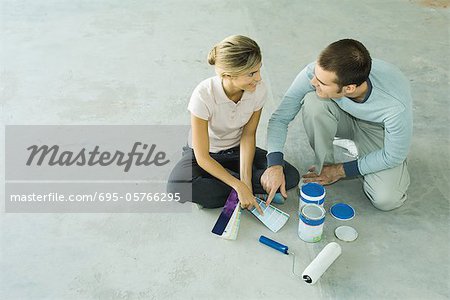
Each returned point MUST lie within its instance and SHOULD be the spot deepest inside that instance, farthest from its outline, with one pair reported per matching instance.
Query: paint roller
(317, 267)
(321, 263)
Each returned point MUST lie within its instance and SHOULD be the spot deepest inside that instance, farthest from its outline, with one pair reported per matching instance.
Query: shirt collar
(223, 98)
(369, 91)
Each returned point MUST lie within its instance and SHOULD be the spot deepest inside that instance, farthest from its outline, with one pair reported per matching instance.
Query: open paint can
(310, 223)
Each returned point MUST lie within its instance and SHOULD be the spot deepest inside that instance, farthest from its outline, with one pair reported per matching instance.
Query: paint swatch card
(273, 218)
(227, 224)
(231, 231)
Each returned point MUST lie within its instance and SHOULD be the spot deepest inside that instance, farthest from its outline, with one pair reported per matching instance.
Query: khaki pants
(324, 119)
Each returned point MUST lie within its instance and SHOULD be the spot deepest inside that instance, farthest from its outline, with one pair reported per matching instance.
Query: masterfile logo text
(92, 168)
(55, 156)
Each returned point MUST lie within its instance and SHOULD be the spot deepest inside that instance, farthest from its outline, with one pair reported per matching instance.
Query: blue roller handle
(272, 244)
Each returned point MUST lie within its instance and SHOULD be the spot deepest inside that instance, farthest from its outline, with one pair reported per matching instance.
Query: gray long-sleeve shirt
(389, 104)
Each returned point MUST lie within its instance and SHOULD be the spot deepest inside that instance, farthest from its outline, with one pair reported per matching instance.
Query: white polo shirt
(226, 118)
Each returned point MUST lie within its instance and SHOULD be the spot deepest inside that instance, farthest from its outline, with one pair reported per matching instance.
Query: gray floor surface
(136, 62)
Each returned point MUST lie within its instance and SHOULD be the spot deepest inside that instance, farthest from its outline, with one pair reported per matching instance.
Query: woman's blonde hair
(235, 55)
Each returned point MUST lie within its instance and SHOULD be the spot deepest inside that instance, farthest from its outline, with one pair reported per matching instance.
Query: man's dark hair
(349, 59)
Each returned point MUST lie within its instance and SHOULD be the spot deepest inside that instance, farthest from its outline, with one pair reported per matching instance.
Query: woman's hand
(247, 199)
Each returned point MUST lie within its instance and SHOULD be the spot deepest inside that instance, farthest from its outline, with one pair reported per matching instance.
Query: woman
(225, 112)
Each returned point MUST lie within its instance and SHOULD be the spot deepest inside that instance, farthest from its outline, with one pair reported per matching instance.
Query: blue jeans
(209, 191)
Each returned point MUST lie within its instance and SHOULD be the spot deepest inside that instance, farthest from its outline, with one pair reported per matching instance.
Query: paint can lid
(313, 189)
(346, 233)
(342, 211)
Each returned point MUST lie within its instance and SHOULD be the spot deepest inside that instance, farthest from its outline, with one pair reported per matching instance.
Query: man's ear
(350, 89)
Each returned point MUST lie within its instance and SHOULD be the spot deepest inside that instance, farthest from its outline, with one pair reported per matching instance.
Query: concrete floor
(136, 62)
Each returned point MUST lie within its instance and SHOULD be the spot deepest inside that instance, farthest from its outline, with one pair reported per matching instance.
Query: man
(357, 98)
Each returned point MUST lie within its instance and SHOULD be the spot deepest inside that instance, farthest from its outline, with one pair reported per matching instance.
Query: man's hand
(330, 174)
(271, 180)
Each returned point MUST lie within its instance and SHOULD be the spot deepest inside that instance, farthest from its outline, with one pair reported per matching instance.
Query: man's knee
(315, 106)
(385, 199)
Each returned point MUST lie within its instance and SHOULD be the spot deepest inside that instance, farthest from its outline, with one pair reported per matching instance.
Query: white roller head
(321, 263)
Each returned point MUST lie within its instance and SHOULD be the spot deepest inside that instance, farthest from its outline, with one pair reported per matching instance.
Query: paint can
(310, 223)
(312, 193)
